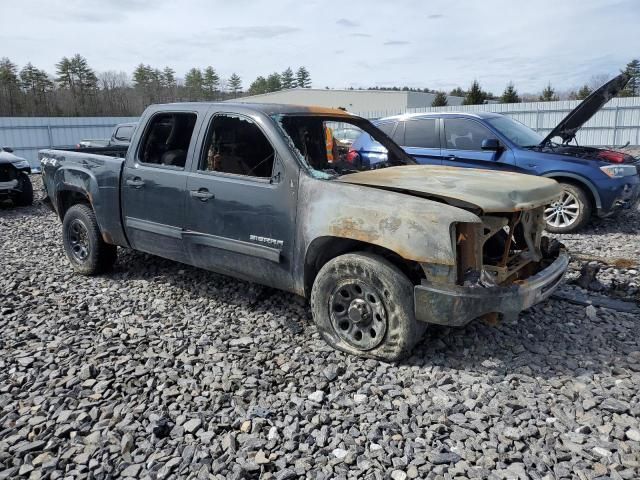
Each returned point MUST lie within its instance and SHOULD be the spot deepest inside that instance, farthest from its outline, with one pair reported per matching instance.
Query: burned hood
(580, 115)
(488, 190)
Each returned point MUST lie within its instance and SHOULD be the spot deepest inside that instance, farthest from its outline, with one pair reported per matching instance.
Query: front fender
(578, 178)
(415, 228)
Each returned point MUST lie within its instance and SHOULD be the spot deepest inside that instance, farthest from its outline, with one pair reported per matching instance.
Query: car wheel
(24, 198)
(570, 213)
(363, 304)
(83, 243)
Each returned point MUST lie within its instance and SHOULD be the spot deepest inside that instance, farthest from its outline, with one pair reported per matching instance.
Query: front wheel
(363, 304)
(570, 213)
(88, 253)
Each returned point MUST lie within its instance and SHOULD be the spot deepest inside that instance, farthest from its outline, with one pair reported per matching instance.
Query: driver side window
(237, 146)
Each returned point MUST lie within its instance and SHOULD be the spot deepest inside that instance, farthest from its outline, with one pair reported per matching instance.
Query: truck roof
(266, 108)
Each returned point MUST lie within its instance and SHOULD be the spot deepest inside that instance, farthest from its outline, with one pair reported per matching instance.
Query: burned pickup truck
(259, 193)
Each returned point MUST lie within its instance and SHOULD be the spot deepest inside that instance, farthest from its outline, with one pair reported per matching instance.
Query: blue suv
(595, 181)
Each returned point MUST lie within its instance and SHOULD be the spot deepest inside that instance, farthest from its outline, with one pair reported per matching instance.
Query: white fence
(617, 123)
(27, 135)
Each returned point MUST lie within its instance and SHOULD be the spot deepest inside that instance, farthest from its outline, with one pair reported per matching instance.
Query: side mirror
(7, 149)
(492, 144)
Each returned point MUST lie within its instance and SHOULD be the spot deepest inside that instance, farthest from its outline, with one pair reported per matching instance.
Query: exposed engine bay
(505, 249)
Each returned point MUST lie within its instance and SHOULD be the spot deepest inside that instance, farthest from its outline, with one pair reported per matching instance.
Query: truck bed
(90, 175)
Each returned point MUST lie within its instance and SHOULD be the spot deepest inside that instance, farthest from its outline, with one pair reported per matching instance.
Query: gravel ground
(159, 370)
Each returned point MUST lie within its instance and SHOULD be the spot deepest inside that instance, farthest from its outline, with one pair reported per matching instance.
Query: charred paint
(487, 190)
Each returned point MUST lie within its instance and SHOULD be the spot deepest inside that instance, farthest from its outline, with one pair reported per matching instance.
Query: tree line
(76, 89)
(475, 95)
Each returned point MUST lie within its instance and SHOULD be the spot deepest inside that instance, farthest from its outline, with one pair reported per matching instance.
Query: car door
(240, 207)
(462, 146)
(420, 138)
(154, 182)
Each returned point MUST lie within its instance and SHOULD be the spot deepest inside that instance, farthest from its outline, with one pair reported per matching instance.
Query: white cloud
(436, 44)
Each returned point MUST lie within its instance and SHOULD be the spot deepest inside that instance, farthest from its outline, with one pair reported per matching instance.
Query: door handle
(135, 182)
(203, 194)
(452, 157)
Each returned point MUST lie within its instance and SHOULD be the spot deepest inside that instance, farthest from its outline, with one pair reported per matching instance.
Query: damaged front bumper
(458, 305)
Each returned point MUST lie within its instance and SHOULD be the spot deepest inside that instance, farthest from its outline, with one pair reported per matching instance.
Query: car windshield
(517, 132)
(313, 139)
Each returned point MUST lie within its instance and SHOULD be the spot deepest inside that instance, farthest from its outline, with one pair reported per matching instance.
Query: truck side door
(241, 202)
(462, 146)
(154, 182)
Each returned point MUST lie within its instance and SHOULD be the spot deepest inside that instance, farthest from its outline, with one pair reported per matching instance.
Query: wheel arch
(70, 196)
(323, 249)
(578, 181)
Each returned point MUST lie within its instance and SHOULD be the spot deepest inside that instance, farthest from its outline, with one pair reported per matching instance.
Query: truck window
(236, 145)
(124, 133)
(167, 139)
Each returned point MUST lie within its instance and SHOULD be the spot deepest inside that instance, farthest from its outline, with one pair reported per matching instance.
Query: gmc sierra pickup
(259, 192)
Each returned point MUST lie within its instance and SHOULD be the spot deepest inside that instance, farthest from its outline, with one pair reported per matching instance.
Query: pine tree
(548, 94)
(142, 76)
(168, 77)
(35, 81)
(303, 78)
(75, 75)
(193, 83)
(632, 89)
(235, 84)
(475, 95)
(458, 92)
(510, 94)
(440, 100)
(287, 79)
(210, 83)
(274, 82)
(583, 93)
(9, 87)
(258, 86)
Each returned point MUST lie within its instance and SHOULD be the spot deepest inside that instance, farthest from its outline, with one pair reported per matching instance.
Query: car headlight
(21, 164)
(619, 171)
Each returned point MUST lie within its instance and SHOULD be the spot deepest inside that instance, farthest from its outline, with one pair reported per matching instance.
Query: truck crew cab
(252, 192)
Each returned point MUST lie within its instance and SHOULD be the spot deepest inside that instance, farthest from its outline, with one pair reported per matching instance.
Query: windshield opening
(517, 132)
(315, 139)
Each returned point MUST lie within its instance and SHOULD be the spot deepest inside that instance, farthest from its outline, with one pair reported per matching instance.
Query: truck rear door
(241, 202)
(154, 183)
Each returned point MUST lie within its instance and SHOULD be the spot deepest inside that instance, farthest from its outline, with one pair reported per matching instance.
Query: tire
(571, 213)
(83, 243)
(24, 198)
(363, 292)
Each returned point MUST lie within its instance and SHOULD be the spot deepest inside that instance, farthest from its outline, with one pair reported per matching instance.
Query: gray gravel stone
(201, 376)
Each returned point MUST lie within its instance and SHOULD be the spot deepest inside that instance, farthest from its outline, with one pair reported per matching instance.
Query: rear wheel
(570, 213)
(88, 253)
(24, 198)
(363, 304)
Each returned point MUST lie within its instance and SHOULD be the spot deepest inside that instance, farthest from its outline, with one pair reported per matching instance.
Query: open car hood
(580, 115)
(488, 190)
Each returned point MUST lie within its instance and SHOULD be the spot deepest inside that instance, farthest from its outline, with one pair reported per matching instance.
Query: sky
(438, 44)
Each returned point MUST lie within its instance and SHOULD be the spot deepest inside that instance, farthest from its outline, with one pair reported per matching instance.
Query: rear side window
(236, 145)
(124, 133)
(167, 139)
(421, 134)
(463, 134)
(387, 127)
